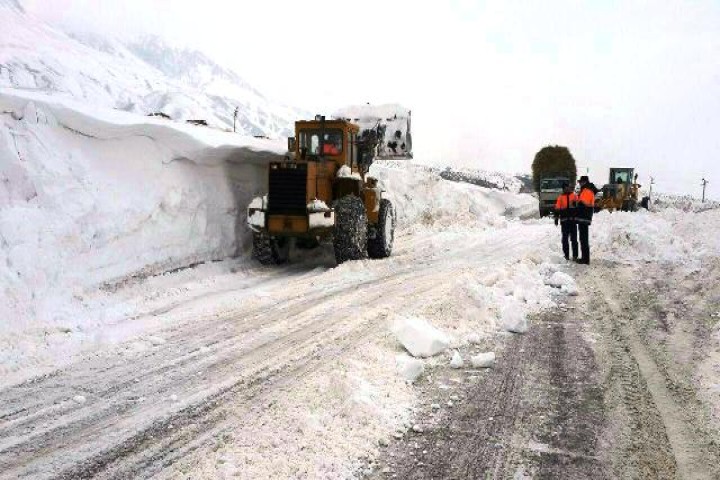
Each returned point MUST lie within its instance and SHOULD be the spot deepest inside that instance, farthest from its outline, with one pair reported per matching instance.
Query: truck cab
(550, 189)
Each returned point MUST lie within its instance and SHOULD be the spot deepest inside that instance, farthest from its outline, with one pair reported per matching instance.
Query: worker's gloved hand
(556, 221)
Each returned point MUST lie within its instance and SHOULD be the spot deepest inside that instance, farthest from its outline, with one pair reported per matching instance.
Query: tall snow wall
(92, 199)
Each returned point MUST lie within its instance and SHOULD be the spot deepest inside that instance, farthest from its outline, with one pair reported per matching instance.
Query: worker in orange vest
(565, 207)
(583, 216)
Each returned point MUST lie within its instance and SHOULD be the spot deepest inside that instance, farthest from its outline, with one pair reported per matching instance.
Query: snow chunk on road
(514, 319)
(564, 282)
(569, 289)
(457, 360)
(410, 368)
(419, 337)
(559, 279)
(483, 360)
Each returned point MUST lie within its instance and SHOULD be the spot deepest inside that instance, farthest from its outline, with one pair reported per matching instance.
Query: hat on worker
(584, 179)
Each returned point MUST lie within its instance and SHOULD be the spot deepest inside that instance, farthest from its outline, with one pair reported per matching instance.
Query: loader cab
(323, 140)
(621, 176)
(621, 191)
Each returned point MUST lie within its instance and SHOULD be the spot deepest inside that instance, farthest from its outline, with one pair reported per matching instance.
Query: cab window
(622, 177)
(332, 144)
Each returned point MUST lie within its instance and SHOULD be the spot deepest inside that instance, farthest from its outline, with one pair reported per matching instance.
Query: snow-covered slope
(91, 198)
(144, 77)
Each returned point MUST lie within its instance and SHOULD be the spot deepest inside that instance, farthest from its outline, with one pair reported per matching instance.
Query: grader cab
(322, 192)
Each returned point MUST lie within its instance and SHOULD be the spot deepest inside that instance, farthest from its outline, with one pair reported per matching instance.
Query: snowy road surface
(602, 387)
(138, 410)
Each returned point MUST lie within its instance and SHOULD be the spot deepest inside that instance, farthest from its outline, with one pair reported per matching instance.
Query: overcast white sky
(621, 83)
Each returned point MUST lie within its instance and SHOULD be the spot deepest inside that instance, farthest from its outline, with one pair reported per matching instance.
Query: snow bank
(423, 198)
(669, 236)
(686, 203)
(419, 337)
(92, 199)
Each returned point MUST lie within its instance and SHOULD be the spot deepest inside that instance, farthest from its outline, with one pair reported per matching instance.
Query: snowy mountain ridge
(144, 76)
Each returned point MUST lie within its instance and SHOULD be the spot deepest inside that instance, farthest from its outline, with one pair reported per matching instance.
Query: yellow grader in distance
(621, 191)
(322, 190)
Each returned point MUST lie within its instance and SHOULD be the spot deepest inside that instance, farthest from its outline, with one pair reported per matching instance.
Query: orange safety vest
(565, 201)
(587, 197)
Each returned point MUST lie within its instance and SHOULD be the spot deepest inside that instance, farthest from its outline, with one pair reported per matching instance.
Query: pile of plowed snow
(423, 198)
(668, 236)
(91, 199)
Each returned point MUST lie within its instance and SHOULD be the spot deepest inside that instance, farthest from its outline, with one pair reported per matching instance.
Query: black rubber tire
(269, 250)
(306, 243)
(351, 226)
(381, 245)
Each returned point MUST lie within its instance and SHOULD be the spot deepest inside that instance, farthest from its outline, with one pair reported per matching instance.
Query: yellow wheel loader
(322, 192)
(621, 191)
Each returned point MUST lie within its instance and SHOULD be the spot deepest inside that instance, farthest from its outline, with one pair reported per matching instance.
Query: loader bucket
(389, 123)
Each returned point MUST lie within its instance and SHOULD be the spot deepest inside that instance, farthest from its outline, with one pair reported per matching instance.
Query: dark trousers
(584, 231)
(569, 236)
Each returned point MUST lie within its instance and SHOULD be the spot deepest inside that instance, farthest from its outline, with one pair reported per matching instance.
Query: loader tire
(380, 246)
(270, 250)
(350, 237)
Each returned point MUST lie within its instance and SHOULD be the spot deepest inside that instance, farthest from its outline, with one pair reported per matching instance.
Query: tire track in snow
(664, 442)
